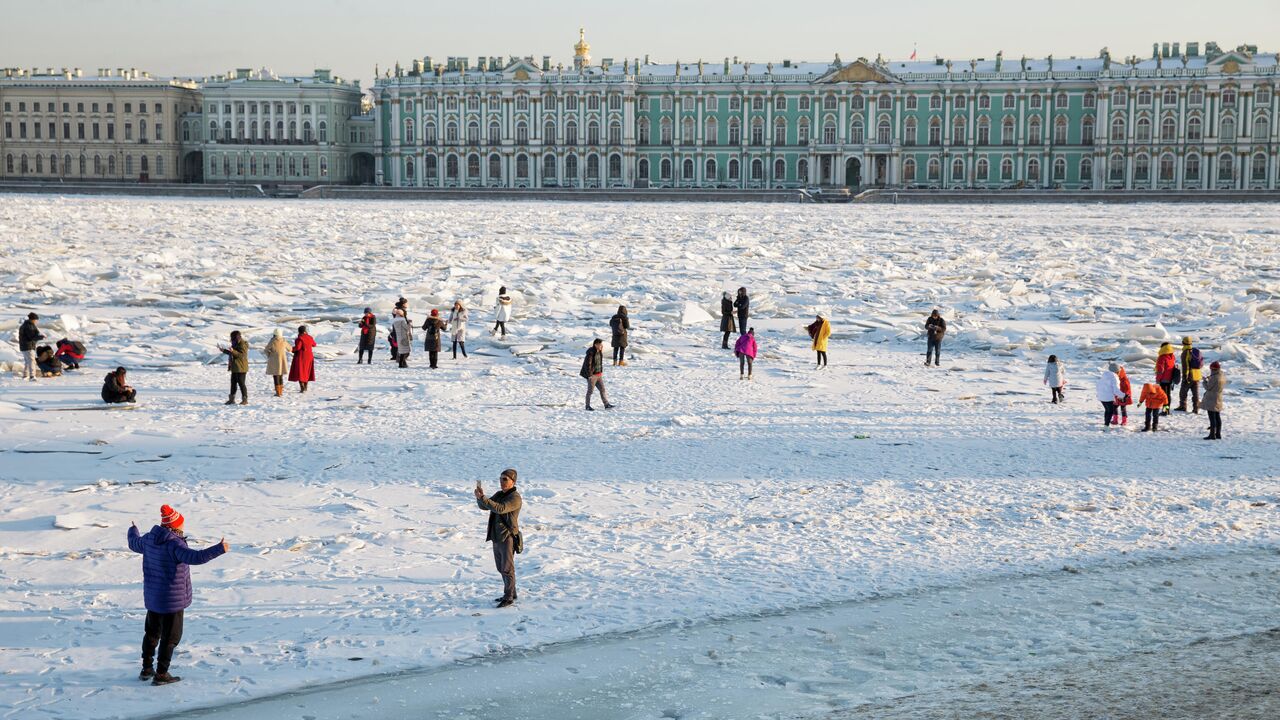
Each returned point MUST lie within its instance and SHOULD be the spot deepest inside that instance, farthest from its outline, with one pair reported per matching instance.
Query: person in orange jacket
(1166, 364)
(1155, 399)
(1126, 397)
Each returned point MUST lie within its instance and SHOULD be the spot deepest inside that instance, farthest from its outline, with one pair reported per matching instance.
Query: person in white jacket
(458, 326)
(1055, 376)
(404, 337)
(1109, 392)
(502, 312)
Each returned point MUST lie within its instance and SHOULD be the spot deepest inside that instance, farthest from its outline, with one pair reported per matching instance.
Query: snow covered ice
(357, 548)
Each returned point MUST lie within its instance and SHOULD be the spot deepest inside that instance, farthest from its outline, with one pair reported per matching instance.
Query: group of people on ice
(1115, 391)
(46, 360)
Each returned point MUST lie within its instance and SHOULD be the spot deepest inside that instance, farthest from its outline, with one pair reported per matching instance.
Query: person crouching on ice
(166, 589)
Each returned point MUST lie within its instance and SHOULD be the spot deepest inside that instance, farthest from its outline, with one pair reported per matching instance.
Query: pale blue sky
(177, 37)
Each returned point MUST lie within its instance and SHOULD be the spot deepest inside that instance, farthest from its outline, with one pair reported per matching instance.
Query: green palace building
(1186, 117)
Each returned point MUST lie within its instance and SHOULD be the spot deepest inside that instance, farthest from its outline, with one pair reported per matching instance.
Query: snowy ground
(357, 550)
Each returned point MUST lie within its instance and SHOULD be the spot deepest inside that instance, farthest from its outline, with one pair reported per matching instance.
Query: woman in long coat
(620, 326)
(277, 352)
(820, 330)
(303, 368)
(403, 335)
(458, 327)
(726, 319)
(743, 305)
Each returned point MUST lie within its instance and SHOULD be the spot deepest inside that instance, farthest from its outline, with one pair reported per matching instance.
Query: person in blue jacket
(166, 588)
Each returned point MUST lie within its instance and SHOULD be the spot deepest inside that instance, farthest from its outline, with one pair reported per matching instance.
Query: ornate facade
(117, 125)
(1178, 120)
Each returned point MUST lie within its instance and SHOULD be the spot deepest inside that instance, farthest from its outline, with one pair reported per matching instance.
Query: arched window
(1006, 168)
(687, 130)
(957, 130)
(1090, 101)
(780, 103)
(806, 103)
(687, 169)
(935, 170)
(593, 133)
(757, 169)
(160, 166)
(957, 169)
(982, 169)
(779, 170)
(857, 102)
(1115, 168)
(280, 130)
(1117, 130)
(279, 165)
(522, 137)
(802, 170)
(144, 165)
(293, 130)
(1033, 132)
(451, 167)
(213, 130)
(909, 170)
(1168, 130)
(548, 167)
(909, 132)
(984, 130)
(829, 132)
(1060, 169)
(757, 103)
(1259, 167)
(306, 166)
(1006, 131)
(709, 170)
(1170, 96)
(450, 134)
(548, 133)
(642, 169)
(1226, 166)
(408, 131)
(495, 168)
(1086, 170)
(802, 131)
(473, 133)
(757, 130)
(829, 102)
(780, 131)
(1086, 131)
(571, 168)
(571, 133)
(711, 131)
(39, 164)
(1166, 167)
(664, 169)
(324, 131)
(429, 133)
(1060, 131)
(886, 102)
(473, 165)
(1228, 130)
(665, 130)
(1228, 97)
(1143, 129)
(239, 129)
(111, 164)
(409, 166)
(53, 164)
(642, 131)
(615, 167)
(856, 136)
(430, 170)
(306, 131)
(1144, 97)
(935, 131)
(734, 173)
(884, 132)
(522, 160)
(1260, 129)
(1192, 167)
(615, 133)
(735, 132)
(1033, 170)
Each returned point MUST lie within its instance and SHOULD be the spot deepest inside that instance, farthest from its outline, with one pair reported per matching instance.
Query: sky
(190, 39)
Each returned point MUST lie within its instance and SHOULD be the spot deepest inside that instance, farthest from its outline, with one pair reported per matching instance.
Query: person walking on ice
(1153, 399)
(166, 589)
(619, 326)
(238, 366)
(368, 336)
(1055, 376)
(1108, 390)
(402, 335)
(820, 330)
(1192, 367)
(745, 349)
(935, 328)
(726, 319)
(29, 336)
(1213, 387)
(743, 305)
(1166, 366)
(458, 327)
(502, 312)
(593, 371)
(303, 368)
(504, 531)
(277, 352)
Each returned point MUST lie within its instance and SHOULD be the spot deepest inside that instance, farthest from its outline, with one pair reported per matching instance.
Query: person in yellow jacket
(1192, 368)
(820, 330)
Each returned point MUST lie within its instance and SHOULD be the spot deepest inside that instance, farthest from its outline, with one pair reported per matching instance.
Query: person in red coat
(303, 368)
(1126, 397)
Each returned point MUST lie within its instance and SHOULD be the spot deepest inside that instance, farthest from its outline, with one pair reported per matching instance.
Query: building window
(1144, 97)
(408, 131)
(451, 133)
(935, 170)
(522, 134)
(1142, 168)
(780, 103)
(1192, 170)
(733, 169)
(473, 166)
(324, 131)
(909, 170)
(1060, 131)
(1170, 97)
(642, 169)
(757, 170)
(912, 103)
(1118, 98)
(1260, 128)
(982, 170)
(957, 130)
(959, 102)
(1195, 97)
(735, 132)
(1228, 130)
(1033, 170)
(779, 170)
(1086, 171)
(984, 102)
(1228, 98)
(757, 131)
(279, 166)
(1226, 167)
(306, 166)
(687, 169)
(935, 102)
(1037, 102)
(1115, 168)
(1166, 168)
(664, 169)
(884, 132)
(571, 133)
(885, 102)
(935, 131)
(757, 103)
(829, 102)
(1259, 167)
(1195, 130)
(1117, 130)
(1059, 169)
(430, 170)
(1143, 130)
(642, 131)
(806, 104)
(1263, 95)
(829, 132)
(802, 170)
(1090, 101)
(802, 132)
(855, 133)
(957, 170)
(473, 133)
(615, 133)
(1006, 169)
(909, 130)
(1007, 131)
(1061, 101)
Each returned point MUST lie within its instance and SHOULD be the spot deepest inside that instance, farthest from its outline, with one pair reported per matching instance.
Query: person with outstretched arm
(166, 589)
(504, 531)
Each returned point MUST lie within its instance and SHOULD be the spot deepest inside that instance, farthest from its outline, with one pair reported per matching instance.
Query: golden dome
(582, 48)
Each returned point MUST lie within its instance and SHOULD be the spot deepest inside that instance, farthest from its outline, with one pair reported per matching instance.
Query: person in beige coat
(277, 352)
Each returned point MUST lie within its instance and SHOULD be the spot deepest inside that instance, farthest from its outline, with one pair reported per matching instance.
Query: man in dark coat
(166, 589)
(935, 327)
(115, 389)
(238, 366)
(504, 531)
(433, 326)
(619, 325)
(743, 305)
(593, 371)
(28, 336)
(726, 319)
(368, 335)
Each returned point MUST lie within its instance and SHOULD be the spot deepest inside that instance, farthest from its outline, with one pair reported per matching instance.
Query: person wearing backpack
(1192, 363)
(619, 326)
(1166, 368)
(504, 531)
(593, 371)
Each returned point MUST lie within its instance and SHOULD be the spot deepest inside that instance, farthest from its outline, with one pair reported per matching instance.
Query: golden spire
(581, 50)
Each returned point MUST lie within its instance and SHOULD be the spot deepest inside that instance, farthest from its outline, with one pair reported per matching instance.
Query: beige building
(118, 125)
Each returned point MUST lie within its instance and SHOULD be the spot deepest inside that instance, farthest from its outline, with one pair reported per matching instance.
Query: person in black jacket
(620, 326)
(726, 319)
(593, 371)
(433, 326)
(935, 327)
(504, 531)
(116, 390)
(368, 335)
(28, 335)
(742, 304)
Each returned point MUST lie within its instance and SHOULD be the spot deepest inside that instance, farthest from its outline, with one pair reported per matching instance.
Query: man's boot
(147, 673)
(230, 401)
(165, 678)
